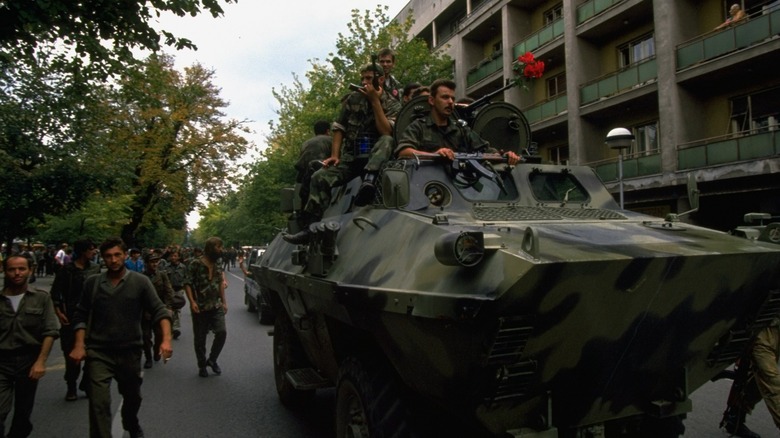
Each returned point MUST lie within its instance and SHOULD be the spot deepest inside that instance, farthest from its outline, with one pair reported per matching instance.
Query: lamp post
(620, 139)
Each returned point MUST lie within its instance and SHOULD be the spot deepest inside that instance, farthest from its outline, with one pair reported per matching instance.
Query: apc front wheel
(368, 403)
(288, 355)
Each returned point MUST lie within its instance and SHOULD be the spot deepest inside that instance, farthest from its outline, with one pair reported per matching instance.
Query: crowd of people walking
(115, 310)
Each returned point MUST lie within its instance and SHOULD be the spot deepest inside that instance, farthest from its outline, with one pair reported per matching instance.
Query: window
(646, 139)
(636, 51)
(557, 187)
(559, 155)
(556, 85)
(553, 14)
(758, 112)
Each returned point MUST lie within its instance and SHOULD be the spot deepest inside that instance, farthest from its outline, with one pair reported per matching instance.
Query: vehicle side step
(306, 378)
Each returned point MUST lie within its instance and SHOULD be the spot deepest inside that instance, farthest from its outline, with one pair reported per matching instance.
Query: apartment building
(696, 99)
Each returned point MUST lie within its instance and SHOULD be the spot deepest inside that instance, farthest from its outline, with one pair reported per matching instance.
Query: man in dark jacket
(66, 293)
(107, 323)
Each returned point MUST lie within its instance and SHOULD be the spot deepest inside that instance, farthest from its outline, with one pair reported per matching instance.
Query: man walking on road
(108, 335)
(66, 293)
(28, 327)
(206, 292)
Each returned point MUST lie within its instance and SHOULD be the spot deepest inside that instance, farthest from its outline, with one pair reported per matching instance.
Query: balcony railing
(539, 38)
(619, 81)
(634, 166)
(591, 8)
(753, 30)
(742, 146)
(485, 68)
(544, 110)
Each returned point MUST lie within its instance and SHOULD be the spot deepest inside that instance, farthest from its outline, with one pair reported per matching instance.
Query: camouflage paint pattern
(601, 314)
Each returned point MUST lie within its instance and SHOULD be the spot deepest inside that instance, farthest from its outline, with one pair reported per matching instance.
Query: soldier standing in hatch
(391, 86)
(364, 129)
(439, 132)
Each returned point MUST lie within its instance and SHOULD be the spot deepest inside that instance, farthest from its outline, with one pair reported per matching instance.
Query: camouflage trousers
(766, 348)
(323, 180)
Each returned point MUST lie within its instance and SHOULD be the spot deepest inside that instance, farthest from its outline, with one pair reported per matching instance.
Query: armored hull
(523, 299)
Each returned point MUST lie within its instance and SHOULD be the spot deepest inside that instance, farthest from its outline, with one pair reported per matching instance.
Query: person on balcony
(735, 14)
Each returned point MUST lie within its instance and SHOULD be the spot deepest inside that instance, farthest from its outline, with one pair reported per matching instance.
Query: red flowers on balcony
(526, 69)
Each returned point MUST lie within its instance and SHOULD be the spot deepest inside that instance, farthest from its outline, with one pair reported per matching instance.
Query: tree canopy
(101, 34)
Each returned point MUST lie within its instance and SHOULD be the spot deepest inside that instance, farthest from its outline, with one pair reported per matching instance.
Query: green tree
(51, 144)
(101, 34)
(171, 132)
(101, 216)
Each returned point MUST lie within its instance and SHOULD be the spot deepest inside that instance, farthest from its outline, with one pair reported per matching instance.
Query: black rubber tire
(369, 402)
(265, 315)
(289, 355)
(249, 304)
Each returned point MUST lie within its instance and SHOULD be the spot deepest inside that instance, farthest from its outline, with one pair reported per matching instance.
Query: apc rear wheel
(368, 402)
(288, 355)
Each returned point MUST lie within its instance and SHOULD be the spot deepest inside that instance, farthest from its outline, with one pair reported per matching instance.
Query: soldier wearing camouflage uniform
(206, 293)
(313, 150)
(440, 133)
(177, 272)
(762, 379)
(366, 119)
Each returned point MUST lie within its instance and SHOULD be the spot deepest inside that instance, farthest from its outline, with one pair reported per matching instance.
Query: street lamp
(620, 138)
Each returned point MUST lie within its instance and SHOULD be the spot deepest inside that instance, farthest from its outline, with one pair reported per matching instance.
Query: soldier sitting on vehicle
(362, 142)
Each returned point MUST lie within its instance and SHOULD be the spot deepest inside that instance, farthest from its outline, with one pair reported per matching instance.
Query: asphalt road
(242, 402)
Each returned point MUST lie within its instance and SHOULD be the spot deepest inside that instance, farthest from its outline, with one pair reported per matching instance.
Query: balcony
(622, 80)
(733, 148)
(756, 29)
(547, 109)
(539, 38)
(591, 8)
(634, 166)
(485, 68)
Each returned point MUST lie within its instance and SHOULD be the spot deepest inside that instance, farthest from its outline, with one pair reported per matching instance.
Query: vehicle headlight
(460, 249)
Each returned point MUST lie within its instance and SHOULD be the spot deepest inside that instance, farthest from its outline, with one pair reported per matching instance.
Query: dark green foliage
(101, 33)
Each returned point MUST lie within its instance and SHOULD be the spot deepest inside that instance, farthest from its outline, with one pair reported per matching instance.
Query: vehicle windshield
(483, 182)
(557, 187)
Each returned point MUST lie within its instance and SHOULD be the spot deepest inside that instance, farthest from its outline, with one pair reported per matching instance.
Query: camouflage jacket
(177, 275)
(357, 120)
(393, 88)
(206, 292)
(423, 135)
(162, 284)
(315, 148)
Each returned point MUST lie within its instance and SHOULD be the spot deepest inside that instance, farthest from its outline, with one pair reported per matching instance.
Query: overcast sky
(258, 45)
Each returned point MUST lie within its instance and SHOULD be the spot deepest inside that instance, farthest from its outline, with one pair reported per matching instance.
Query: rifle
(377, 71)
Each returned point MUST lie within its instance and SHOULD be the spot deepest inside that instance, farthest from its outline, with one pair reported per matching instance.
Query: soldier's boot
(367, 191)
(734, 423)
(71, 395)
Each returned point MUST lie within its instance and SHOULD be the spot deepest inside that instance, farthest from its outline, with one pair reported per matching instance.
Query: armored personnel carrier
(478, 299)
